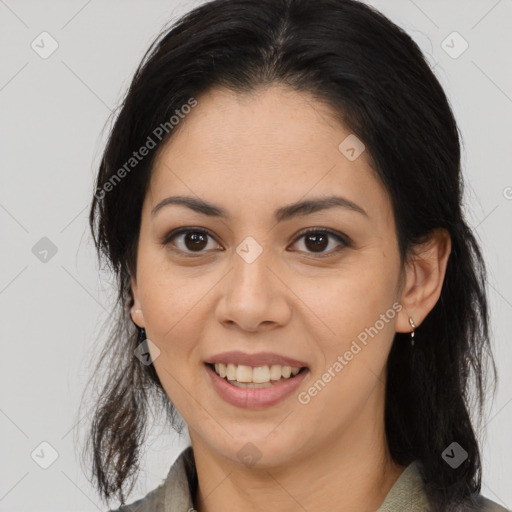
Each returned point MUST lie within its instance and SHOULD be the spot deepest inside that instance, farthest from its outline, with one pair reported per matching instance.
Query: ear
(136, 311)
(425, 272)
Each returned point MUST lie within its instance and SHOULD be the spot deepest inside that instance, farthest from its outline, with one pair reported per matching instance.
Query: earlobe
(425, 275)
(136, 310)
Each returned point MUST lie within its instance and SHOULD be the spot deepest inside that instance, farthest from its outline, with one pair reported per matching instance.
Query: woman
(280, 201)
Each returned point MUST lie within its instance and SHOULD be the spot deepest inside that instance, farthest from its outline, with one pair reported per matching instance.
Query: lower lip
(255, 398)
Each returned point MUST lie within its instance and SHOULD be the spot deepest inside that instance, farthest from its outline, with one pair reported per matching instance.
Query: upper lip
(257, 359)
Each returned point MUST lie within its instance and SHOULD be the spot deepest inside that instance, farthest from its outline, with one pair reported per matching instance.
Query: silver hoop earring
(412, 333)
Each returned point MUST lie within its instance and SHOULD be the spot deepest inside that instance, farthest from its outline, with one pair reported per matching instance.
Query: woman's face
(252, 282)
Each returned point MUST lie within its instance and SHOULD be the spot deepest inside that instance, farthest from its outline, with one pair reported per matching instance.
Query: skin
(251, 154)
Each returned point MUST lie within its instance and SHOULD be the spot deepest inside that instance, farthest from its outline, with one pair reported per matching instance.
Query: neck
(353, 466)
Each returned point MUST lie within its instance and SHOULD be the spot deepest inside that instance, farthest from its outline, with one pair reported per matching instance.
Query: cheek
(168, 292)
(354, 340)
(343, 304)
(172, 303)
(173, 313)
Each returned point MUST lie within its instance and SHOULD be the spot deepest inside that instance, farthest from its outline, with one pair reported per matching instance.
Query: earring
(142, 334)
(412, 333)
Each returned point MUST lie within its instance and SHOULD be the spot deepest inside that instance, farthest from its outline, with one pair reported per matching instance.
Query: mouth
(256, 377)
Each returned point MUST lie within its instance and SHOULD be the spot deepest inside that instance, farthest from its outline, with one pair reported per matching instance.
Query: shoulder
(482, 504)
(409, 494)
(174, 493)
(477, 503)
(152, 502)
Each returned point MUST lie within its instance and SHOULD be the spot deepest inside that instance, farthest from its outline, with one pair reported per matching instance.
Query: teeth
(220, 368)
(259, 374)
(243, 373)
(254, 375)
(275, 372)
(230, 371)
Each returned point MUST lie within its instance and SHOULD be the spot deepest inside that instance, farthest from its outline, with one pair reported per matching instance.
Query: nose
(253, 297)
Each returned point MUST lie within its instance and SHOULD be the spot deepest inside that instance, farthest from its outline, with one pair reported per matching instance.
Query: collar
(406, 495)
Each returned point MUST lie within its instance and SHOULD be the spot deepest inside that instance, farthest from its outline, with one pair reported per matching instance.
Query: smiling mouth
(244, 376)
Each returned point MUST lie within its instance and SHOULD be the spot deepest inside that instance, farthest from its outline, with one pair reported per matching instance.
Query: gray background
(53, 113)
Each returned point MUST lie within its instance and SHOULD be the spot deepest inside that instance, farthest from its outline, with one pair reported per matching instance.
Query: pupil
(198, 240)
(320, 242)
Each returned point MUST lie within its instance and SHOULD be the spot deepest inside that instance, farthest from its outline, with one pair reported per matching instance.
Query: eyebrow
(281, 214)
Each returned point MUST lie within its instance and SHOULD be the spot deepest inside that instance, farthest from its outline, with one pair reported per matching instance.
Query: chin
(259, 450)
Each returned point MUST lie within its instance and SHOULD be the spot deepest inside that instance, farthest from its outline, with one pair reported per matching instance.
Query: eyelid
(166, 240)
(340, 237)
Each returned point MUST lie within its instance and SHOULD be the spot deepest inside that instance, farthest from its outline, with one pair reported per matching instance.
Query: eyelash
(345, 241)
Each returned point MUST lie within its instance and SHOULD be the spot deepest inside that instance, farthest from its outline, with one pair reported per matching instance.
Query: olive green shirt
(176, 492)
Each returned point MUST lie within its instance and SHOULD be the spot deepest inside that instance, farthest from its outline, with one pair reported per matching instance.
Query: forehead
(272, 146)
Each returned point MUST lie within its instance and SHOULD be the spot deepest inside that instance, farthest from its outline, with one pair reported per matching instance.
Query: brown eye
(317, 241)
(188, 240)
(195, 241)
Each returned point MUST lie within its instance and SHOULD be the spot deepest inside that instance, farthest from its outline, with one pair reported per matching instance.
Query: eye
(318, 240)
(193, 240)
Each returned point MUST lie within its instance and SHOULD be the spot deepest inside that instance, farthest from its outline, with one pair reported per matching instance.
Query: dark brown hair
(375, 78)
